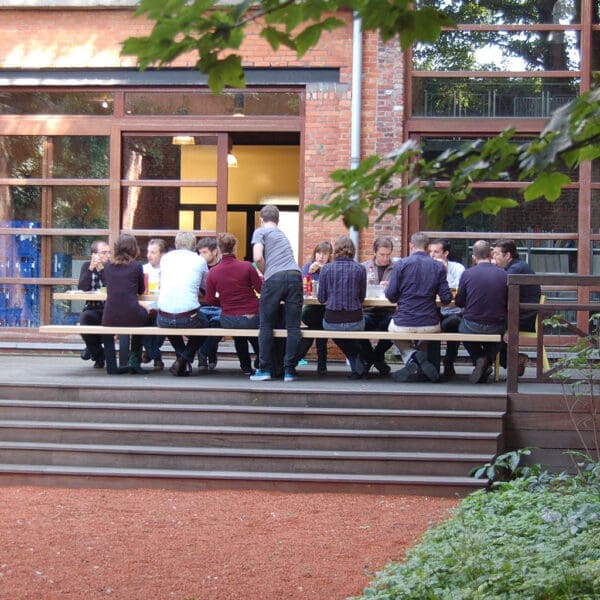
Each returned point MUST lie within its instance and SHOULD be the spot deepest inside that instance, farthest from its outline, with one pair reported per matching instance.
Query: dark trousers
(478, 349)
(209, 347)
(92, 316)
(286, 287)
(450, 324)
(183, 350)
(241, 343)
(378, 321)
(312, 317)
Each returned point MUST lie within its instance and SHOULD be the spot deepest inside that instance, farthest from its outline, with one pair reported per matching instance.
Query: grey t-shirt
(277, 250)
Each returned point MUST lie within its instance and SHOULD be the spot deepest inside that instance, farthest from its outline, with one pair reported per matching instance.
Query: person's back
(483, 294)
(180, 275)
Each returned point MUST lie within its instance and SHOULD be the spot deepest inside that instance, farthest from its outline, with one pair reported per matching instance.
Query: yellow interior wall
(261, 171)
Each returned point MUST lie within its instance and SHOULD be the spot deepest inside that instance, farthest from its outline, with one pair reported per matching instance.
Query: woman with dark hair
(312, 316)
(342, 288)
(124, 279)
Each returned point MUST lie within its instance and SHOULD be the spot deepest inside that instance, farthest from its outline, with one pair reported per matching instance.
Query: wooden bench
(108, 333)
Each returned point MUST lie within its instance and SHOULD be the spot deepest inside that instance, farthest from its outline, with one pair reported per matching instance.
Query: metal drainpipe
(356, 107)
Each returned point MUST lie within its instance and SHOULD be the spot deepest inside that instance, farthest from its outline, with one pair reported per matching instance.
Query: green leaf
(546, 185)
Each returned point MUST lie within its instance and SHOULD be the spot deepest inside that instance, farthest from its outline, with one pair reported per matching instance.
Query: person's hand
(96, 262)
(314, 267)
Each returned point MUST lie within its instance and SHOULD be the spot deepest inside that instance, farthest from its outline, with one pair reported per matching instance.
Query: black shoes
(180, 368)
(85, 354)
(99, 361)
(449, 372)
(481, 372)
(382, 367)
(418, 365)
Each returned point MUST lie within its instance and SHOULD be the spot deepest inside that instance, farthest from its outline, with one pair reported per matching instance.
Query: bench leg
(110, 356)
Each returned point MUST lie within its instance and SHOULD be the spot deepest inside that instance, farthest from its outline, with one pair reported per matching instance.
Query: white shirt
(180, 275)
(453, 273)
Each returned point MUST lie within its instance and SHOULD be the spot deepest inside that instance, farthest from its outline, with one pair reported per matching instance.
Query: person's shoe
(321, 364)
(212, 362)
(427, 368)
(159, 365)
(248, 372)
(256, 364)
(261, 376)
(382, 367)
(145, 358)
(99, 364)
(486, 375)
(409, 372)
(85, 354)
(134, 364)
(179, 368)
(449, 372)
(523, 358)
(289, 376)
(480, 370)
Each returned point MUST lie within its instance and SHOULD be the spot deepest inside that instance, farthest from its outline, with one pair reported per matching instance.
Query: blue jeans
(211, 342)
(355, 350)
(284, 286)
(194, 321)
(479, 349)
(241, 343)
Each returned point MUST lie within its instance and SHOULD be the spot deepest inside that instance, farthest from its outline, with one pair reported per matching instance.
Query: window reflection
(56, 103)
(84, 157)
(80, 207)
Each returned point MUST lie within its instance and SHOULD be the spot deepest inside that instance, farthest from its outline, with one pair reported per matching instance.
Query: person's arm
(255, 279)
(258, 256)
(461, 293)
(210, 297)
(85, 277)
(322, 291)
(141, 282)
(362, 284)
(392, 289)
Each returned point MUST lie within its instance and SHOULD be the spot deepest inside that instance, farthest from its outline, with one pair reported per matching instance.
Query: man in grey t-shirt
(273, 255)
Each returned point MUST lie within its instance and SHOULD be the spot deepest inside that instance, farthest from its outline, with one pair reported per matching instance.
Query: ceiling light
(183, 140)
(231, 161)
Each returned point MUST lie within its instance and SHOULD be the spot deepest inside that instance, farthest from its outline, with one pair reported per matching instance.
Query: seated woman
(312, 316)
(234, 284)
(342, 288)
(124, 278)
(152, 343)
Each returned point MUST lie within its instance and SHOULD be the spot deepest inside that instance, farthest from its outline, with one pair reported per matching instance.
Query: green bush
(533, 538)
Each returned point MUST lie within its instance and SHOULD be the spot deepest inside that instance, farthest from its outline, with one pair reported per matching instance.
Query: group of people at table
(206, 285)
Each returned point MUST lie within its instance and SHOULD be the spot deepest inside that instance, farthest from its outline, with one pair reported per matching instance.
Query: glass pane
(173, 157)
(595, 211)
(500, 51)
(20, 255)
(155, 207)
(478, 97)
(500, 12)
(433, 147)
(56, 103)
(69, 253)
(65, 312)
(595, 53)
(537, 216)
(84, 157)
(80, 207)
(22, 206)
(237, 104)
(596, 170)
(19, 305)
(21, 155)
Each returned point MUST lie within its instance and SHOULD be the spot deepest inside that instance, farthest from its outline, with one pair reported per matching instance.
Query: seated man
(451, 315)
(178, 305)
(378, 318)
(91, 278)
(415, 283)
(506, 256)
(483, 295)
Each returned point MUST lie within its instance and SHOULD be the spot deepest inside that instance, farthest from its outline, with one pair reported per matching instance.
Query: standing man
(483, 295)
(207, 355)
(91, 279)
(415, 283)
(378, 318)
(274, 257)
(181, 272)
(440, 250)
(506, 256)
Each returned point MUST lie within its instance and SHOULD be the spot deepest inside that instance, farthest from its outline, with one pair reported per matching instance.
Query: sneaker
(212, 362)
(408, 372)
(261, 376)
(290, 376)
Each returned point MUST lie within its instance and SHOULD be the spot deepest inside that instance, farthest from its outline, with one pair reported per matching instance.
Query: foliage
(215, 33)
(503, 468)
(512, 544)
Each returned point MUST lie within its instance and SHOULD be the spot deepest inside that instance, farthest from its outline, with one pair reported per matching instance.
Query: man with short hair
(207, 354)
(506, 256)
(91, 278)
(181, 272)
(483, 295)
(414, 285)
(273, 255)
(378, 318)
(439, 249)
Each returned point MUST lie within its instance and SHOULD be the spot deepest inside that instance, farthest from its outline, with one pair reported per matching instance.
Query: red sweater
(237, 282)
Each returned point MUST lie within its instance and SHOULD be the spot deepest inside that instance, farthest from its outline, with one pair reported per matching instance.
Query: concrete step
(240, 459)
(181, 479)
(251, 416)
(384, 440)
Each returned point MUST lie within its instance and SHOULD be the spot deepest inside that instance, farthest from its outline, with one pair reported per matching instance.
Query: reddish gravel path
(209, 545)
